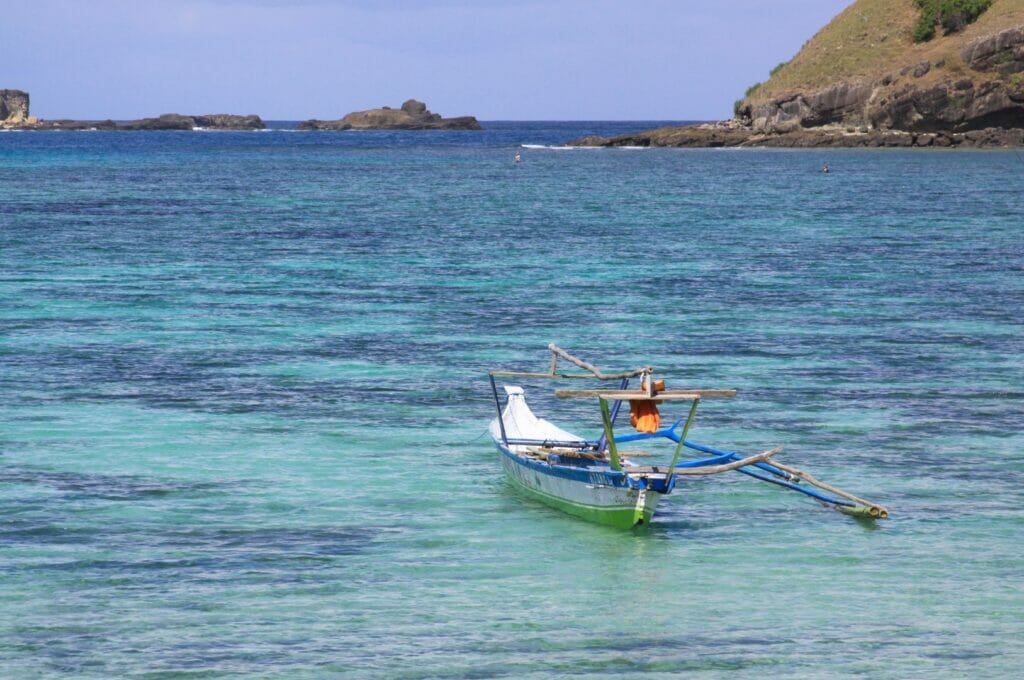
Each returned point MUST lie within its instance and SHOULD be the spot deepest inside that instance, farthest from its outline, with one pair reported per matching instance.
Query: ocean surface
(243, 400)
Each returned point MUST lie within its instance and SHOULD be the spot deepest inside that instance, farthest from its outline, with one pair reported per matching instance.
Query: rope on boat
(468, 441)
(562, 452)
(565, 453)
(557, 351)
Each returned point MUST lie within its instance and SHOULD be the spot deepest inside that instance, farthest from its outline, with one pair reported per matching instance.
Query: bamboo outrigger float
(595, 480)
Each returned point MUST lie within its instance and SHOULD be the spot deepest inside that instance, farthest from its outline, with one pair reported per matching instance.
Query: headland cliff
(905, 73)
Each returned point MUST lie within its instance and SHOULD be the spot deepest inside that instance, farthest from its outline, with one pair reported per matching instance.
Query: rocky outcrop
(843, 102)
(14, 114)
(167, 121)
(989, 94)
(230, 121)
(730, 133)
(175, 121)
(1003, 52)
(413, 115)
(14, 109)
(950, 106)
(726, 133)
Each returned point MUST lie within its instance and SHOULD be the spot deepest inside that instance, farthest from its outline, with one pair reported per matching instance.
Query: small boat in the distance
(596, 480)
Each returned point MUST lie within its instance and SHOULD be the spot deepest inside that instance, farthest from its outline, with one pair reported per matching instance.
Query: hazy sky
(495, 59)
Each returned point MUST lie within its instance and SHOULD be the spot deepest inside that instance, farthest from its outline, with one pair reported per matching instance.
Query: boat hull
(598, 496)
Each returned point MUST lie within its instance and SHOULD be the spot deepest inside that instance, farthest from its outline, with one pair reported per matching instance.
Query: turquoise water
(243, 404)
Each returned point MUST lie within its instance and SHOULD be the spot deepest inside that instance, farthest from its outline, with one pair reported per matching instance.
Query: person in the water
(824, 168)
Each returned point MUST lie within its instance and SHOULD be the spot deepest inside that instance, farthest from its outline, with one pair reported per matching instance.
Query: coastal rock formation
(14, 109)
(862, 81)
(14, 114)
(731, 133)
(230, 121)
(1003, 51)
(213, 121)
(413, 115)
(841, 103)
(988, 92)
(167, 121)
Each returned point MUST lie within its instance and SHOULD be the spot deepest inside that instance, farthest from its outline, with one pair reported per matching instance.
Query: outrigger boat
(595, 480)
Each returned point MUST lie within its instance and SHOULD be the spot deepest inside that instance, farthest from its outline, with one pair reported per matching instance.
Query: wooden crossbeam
(869, 508)
(553, 376)
(640, 395)
(709, 469)
(557, 351)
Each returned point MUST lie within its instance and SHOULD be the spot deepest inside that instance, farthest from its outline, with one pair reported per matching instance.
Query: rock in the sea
(413, 115)
(167, 121)
(14, 109)
(176, 121)
(14, 114)
(229, 121)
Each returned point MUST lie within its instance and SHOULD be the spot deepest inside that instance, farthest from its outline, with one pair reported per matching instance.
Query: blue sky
(511, 60)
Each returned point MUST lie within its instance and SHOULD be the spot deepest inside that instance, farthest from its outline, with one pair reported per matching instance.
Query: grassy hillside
(871, 38)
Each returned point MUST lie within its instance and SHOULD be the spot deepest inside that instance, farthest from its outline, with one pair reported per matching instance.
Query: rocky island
(14, 115)
(903, 73)
(413, 115)
(14, 109)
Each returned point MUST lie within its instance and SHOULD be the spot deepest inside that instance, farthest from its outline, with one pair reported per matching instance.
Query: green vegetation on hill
(952, 15)
(872, 38)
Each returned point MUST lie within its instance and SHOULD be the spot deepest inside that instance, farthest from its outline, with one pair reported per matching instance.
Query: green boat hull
(619, 507)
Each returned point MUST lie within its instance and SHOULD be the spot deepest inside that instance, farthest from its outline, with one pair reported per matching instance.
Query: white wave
(556, 147)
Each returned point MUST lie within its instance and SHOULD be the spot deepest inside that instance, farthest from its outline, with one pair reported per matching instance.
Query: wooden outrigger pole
(760, 466)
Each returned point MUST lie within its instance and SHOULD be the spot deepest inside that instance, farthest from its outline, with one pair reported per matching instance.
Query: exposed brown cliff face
(412, 116)
(861, 81)
(987, 91)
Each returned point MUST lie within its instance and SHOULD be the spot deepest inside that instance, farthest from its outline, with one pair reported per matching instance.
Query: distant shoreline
(412, 115)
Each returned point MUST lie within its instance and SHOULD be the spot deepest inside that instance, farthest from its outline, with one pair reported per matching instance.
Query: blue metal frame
(602, 441)
(787, 480)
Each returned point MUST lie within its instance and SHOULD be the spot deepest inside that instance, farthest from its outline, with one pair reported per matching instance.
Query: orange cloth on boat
(644, 416)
